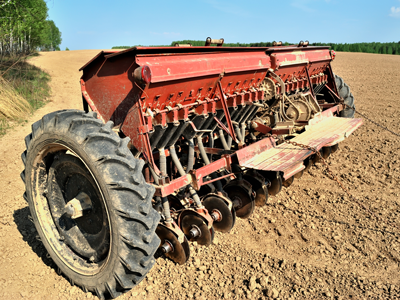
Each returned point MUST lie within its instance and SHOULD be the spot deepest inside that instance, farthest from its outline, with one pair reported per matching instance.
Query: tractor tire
(344, 92)
(110, 248)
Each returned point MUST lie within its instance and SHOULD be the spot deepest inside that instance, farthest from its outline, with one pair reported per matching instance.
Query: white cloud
(395, 12)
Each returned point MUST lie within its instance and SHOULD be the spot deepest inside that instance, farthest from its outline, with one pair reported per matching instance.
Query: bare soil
(310, 242)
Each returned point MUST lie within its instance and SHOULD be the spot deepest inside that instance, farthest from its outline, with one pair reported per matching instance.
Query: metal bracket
(260, 127)
(226, 112)
(309, 82)
(221, 125)
(277, 78)
(143, 129)
(198, 132)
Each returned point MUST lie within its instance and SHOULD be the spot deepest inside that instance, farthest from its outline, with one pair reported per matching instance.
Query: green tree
(24, 28)
(51, 38)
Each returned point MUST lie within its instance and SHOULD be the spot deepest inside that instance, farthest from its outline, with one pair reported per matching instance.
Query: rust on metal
(283, 157)
(180, 83)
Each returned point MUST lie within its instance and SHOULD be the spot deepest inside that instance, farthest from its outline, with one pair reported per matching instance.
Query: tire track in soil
(309, 242)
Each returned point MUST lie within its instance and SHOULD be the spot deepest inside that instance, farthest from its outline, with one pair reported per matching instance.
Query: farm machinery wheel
(240, 193)
(178, 252)
(89, 202)
(344, 92)
(224, 218)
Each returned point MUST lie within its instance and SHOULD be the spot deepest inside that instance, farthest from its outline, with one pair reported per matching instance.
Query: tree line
(382, 48)
(24, 28)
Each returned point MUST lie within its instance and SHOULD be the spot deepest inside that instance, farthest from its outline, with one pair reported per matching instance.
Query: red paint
(145, 86)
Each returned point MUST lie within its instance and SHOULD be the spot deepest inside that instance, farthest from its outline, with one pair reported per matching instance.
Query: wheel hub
(171, 247)
(216, 215)
(195, 229)
(77, 208)
(220, 212)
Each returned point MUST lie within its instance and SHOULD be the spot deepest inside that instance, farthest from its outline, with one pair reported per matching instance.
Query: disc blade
(233, 212)
(178, 254)
(214, 203)
(288, 182)
(244, 204)
(187, 224)
(334, 148)
(326, 151)
(276, 186)
(212, 232)
(308, 163)
(186, 248)
(299, 174)
(261, 197)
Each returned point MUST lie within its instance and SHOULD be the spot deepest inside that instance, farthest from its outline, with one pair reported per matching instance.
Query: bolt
(195, 231)
(236, 201)
(216, 215)
(167, 247)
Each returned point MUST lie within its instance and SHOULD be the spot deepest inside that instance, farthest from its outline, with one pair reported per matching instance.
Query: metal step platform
(288, 158)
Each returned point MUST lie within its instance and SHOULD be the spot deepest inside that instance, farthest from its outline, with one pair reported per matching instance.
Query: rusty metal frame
(309, 82)
(226, 112)
(196, 177)
(184, 70)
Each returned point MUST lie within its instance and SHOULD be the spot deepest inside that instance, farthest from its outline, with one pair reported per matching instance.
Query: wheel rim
(59, 174)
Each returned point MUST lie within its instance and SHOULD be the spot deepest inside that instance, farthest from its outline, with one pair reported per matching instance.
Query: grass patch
(4, 125)
(23, 89)
(29, 81)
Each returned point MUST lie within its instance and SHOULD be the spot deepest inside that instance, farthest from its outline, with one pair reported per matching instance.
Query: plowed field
(310, 242)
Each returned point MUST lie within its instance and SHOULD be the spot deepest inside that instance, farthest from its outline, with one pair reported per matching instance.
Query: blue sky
(89, 24)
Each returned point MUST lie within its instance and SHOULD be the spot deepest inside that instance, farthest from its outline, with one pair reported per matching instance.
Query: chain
(372, 121)
(333, 176)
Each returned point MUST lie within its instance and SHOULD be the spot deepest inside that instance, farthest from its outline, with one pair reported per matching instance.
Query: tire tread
(345, 93)
(130, 195)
